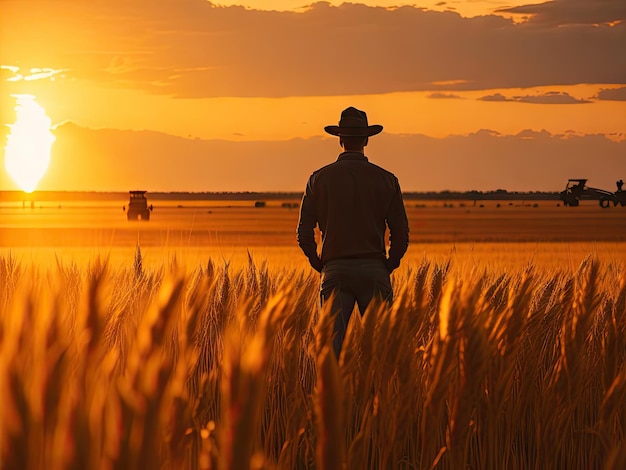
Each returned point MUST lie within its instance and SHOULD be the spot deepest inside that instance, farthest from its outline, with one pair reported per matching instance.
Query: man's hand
(391, 265)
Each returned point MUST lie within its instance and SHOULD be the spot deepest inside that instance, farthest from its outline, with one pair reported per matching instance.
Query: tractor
(138, 206)
(577, 190)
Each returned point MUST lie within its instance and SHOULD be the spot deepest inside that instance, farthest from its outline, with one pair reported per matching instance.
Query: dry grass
(221, 367)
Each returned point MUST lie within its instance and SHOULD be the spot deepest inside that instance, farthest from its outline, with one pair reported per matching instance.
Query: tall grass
(220, 368)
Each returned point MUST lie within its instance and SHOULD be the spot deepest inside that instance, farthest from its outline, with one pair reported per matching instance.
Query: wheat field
(175, 356)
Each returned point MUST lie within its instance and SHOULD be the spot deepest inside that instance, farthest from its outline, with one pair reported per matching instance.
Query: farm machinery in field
(577, 190)
(138, 208)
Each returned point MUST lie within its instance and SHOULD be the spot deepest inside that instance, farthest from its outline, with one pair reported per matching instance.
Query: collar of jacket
(352, 156)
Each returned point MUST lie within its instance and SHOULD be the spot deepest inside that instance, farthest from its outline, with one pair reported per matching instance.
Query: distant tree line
(499, 194)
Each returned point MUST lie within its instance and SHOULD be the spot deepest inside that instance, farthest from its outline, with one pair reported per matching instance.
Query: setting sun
(27, 152)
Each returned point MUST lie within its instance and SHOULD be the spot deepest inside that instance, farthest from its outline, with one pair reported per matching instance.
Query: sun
(27, 152)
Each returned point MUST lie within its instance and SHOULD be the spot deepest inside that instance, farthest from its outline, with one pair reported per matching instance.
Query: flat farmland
(490, 231)
(210, 347)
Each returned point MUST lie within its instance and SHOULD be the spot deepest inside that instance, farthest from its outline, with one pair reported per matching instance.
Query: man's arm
(306, 228)
(398, 230)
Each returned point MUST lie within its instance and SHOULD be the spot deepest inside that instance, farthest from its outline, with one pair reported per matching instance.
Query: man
(353, 201)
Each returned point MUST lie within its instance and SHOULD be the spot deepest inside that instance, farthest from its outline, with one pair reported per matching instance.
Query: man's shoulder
(382, 170)
(327, 171)
(337, 165)
(323, 169)
(316, 174)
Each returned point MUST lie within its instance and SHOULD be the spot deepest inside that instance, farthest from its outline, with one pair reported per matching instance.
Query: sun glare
(27, 152)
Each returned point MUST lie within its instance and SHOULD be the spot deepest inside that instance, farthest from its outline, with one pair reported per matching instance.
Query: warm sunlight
(27, 153)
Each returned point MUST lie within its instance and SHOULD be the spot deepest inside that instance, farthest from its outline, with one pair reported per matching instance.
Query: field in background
(491, 232)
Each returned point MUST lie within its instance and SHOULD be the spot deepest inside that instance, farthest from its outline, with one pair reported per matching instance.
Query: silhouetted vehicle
(620, 194)
(138, 206)
(577, 190)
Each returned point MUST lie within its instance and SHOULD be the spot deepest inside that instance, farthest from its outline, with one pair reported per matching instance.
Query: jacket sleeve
(306, 227)
(398, 229)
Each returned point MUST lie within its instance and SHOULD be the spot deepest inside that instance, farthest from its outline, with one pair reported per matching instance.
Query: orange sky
(259, 118)
(193, 69)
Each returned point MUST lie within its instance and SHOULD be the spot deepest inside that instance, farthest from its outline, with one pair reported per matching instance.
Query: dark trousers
(352, 281)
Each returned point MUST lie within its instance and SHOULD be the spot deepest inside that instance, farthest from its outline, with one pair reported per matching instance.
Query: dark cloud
(612, 94)
(192, 48)
(552, 97)
(572, 12)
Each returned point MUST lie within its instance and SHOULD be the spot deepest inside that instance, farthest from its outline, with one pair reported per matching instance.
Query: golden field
(195, 341)
(499, 233)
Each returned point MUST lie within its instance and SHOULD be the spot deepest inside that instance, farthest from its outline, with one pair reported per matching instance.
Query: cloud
(531, 134)
(194, 49)
(551, 97)
(14, 74)
(439, 95)
(484, 160)
(612, 94)
(495, 97)
(572, 12)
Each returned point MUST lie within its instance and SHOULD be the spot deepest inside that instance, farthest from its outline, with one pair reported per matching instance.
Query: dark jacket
(352, 201)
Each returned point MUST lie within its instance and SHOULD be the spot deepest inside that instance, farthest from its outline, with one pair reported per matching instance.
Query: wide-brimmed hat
(353, 122)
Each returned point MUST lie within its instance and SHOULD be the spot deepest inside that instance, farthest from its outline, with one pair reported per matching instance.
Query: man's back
(353, 199)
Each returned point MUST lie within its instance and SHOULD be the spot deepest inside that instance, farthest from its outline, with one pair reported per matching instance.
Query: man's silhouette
(353, 201)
